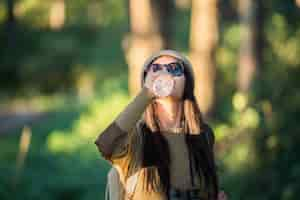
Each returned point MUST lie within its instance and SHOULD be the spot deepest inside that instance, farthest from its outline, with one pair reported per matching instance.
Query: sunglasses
(175, 68)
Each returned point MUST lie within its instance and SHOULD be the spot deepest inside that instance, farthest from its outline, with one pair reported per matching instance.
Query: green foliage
(266, 168)
(55, 69)
(79, 173)
(99, 114)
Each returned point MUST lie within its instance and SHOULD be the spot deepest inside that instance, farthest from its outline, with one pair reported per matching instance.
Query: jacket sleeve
(113, 141)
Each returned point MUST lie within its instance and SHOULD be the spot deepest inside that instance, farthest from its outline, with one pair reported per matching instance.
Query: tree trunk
(251, 41)
(149, 32)
(297, 3)
(10, 24)
(57, 14)
(203, 43)
(10, 19)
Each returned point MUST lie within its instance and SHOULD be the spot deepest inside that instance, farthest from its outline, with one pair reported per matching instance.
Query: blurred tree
(10, 17)
(203, 43)
(149, 32)
(164, 11)
(251, 43)
(10, 23)
(183, 4)
(297, 3)
(227, 11)
(57, 14)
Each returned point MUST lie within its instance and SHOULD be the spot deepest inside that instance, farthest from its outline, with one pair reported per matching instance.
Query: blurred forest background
(69, 67)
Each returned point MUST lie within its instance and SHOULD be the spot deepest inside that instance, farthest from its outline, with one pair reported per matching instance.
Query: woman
(162, 144)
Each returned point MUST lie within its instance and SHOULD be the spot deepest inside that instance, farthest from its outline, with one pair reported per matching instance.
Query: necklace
(174, 129)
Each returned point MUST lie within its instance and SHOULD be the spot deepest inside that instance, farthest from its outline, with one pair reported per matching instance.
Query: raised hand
(149, 79)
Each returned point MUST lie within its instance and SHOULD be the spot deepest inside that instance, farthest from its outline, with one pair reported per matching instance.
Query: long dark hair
(157, 160)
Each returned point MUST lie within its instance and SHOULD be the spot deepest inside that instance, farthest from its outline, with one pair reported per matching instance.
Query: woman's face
(179, 80)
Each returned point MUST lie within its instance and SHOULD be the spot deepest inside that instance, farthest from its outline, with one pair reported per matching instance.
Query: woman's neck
(169, 111)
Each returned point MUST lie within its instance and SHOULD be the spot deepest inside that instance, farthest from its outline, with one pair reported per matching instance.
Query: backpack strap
(191, 168)
(107, 196)
(113, 185)
(209, 136)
